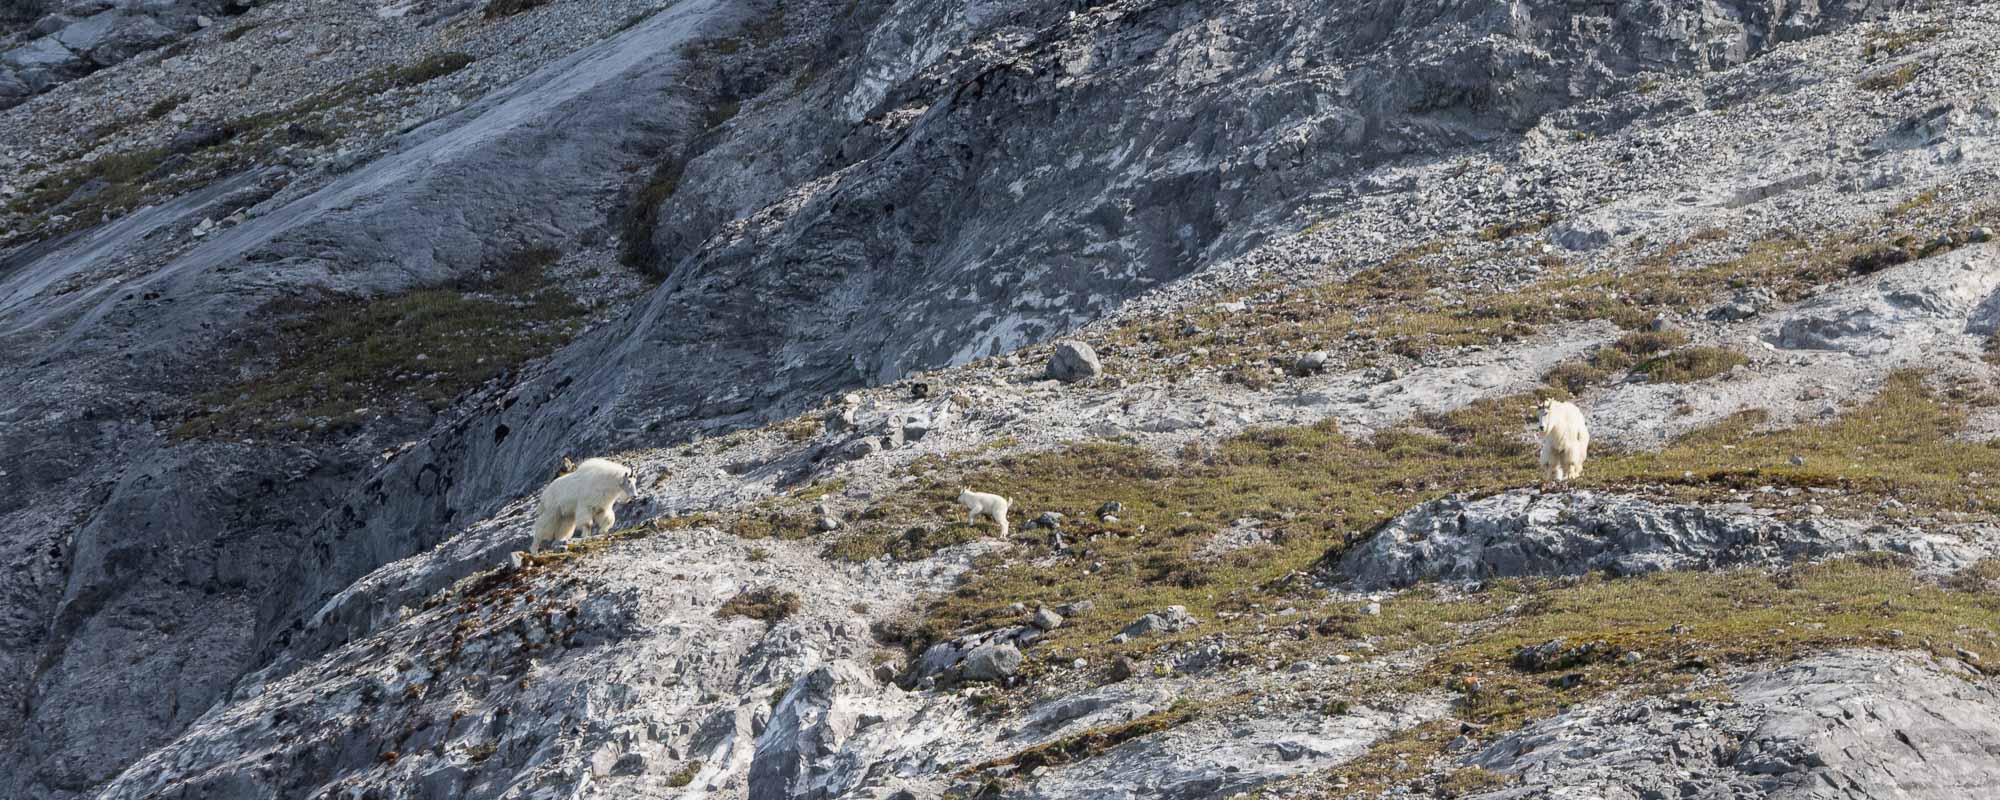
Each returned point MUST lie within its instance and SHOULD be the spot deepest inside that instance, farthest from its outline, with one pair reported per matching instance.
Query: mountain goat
(1565, 439)
(584, 497)
(991, 505)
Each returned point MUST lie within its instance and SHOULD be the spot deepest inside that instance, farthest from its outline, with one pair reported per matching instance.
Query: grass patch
(766, 604)
(1314, 490)
(683, 776)
(1891, 80)
(1074, 748)
(340, 361)
(164, 106)
(1691, 364)
(1891, 44)
(496, 9)
(1502, 231)
(114, 184)
(1683, 623)
(1411, 303)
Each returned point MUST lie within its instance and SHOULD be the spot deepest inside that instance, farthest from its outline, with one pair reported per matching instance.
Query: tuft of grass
(340, 361)
(683, 776)
(1469, 781)
(1914, 203)
(430, 68)
(1501, 231)
(1080, 746)
(165, 106)
(497, 9)
(1891, 80)
(1892, 44)
(766, 604)
(1691, 364)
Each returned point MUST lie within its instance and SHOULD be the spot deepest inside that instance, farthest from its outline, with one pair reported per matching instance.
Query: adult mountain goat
(1565, 439)
(585, 498)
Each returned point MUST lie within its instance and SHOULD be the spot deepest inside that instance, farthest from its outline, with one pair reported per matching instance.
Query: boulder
(1074, 361)
(1172, 620)
(992, 662)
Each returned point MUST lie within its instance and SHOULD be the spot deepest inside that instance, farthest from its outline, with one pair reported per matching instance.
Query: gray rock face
(1896, 308)
(1074, 361)
(1525, 533)
(1840, 725)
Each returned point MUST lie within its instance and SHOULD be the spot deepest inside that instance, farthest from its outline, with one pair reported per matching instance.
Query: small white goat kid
(992, 505)
(1565, 440)
(583, 498)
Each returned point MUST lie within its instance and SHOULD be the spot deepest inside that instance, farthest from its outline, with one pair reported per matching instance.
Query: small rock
(1110, 508)
(1798, 461)
(828, 525)
(1046, 619)
(1978, 235)
(1081, 663)
(1632, 657)
(840, 419)
(1965, 655)
(1342, 658)
(1078, 607)
(1048, 519)
(992, 662)
(1074, 361)
(1372, 609)
(1123, 668)
(1172, 620)
(920, 390)
(860, 448)
(885, 673)
(1312, 363)
(1815, 509)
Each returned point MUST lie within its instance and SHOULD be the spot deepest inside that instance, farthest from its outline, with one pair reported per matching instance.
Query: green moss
(683, 776)
(1691, 364)
(340, 361)
(765, 604)
(1890, 81)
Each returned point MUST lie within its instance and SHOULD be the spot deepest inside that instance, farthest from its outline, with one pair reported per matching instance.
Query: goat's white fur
(1565, 440)
(991, 505)
(584, 497)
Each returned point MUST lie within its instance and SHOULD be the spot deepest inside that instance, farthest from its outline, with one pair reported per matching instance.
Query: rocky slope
(320, 295)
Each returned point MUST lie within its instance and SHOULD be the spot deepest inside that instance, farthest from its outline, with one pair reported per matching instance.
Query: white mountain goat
(1565, 439)
(583, 498)
(992, 505)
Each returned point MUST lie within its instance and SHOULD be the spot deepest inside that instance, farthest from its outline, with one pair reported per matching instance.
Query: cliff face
(326, 290)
